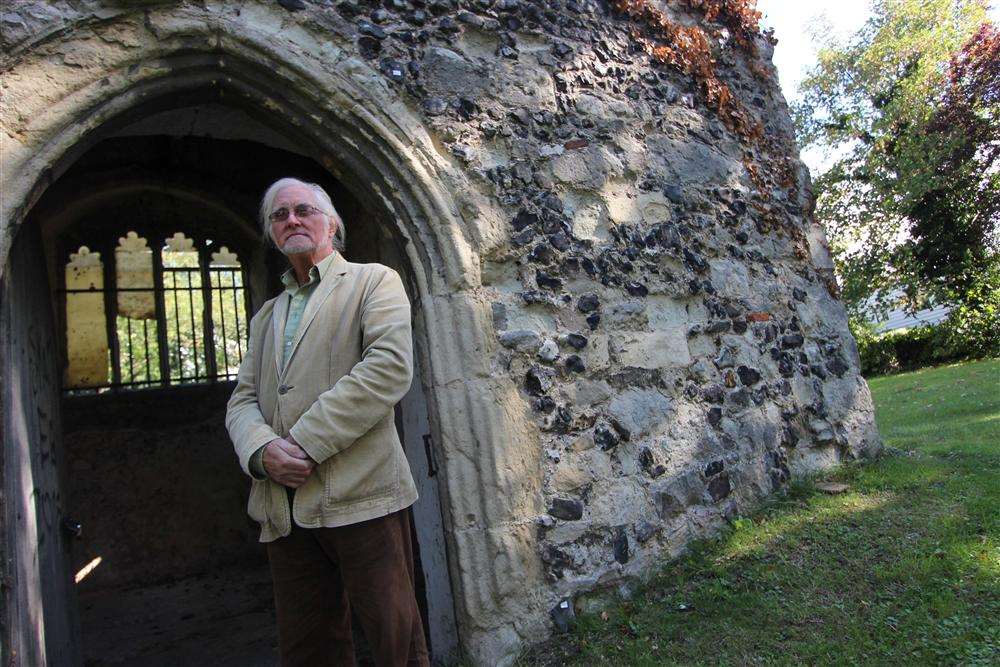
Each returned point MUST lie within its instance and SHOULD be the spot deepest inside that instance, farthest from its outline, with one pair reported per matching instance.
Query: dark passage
(181, 578)
(168, 567)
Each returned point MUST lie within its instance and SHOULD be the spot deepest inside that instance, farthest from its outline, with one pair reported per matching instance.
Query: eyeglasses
(300, 210)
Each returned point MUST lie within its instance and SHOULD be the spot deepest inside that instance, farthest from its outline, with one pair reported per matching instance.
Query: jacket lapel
(334, 274)
(278, 316)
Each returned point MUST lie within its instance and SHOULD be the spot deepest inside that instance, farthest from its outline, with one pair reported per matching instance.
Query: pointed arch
(340, 111)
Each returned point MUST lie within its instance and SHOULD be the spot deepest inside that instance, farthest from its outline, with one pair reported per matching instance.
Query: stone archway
(340, 110)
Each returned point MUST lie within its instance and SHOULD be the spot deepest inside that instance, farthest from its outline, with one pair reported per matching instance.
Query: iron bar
(131, 357)
(140, 383)
(145, 345)
(161, 315)
(111, 313)
(225, 339)
(194, 329)
(177, 325)
(236, 313)
(207, 321)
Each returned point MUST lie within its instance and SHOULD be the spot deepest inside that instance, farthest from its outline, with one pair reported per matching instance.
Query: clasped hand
(287, 463)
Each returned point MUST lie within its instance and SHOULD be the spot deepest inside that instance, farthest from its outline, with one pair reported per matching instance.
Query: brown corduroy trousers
(321, 574)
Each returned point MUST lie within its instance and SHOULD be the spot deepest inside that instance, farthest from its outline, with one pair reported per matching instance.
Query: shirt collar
(316, 273)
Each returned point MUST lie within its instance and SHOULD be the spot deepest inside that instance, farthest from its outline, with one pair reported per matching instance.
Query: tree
(902, 203)
(956, 211)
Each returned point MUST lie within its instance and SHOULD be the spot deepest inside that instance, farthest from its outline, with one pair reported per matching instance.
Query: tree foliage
(956, 206)
(908, 105)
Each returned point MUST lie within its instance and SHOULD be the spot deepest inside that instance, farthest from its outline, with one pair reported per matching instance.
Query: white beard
(296, 245)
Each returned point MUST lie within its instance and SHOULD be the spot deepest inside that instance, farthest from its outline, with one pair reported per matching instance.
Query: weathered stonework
(629, 328)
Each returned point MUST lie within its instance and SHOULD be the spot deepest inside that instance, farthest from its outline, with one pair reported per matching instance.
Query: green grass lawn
(903, 568)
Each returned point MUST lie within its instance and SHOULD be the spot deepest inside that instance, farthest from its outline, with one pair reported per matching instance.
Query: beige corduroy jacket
(350, 363)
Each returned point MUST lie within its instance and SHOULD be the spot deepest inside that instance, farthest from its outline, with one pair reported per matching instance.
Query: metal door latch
(429, 452)
(73, 527)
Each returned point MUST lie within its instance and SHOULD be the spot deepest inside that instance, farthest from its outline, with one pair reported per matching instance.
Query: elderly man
(312, 422)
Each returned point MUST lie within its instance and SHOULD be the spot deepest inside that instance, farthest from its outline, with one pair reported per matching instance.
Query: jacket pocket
(366, 470)
(260, 500)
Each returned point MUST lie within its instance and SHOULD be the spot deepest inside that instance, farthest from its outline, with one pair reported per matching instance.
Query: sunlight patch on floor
(87, 569)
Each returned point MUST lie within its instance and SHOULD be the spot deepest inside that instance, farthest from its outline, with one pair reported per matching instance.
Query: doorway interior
(150, 237)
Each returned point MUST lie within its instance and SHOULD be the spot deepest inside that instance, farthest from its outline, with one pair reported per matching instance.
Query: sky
(795, 52)
(791, 19)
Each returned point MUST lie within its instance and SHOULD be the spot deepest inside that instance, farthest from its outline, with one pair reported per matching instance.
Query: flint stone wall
(665, 337)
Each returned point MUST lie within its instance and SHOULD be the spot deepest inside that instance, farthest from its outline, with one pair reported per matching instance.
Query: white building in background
(898, 318)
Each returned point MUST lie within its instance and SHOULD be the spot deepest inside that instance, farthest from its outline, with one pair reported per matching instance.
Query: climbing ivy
(688, 49)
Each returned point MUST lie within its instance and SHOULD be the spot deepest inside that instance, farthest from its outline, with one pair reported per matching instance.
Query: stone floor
(222, 619)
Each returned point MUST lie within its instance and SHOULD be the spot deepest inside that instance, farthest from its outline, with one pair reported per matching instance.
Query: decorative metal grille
(172, 317)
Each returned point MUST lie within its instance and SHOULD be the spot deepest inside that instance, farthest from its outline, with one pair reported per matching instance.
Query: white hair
(323, 203)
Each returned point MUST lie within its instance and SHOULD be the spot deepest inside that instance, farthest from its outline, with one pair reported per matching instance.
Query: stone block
(663, 312)
(693, 162)
(562, 615)
(672, 496)
(521, 317)
(627, 314)
(642, 412)
(659, 349)
(567, 509)
(589, 168)
(644, 531)
(579, 468)
(588, 215)
(596, 356)
(584, 393)
(719, 487)
(583, 442)
(448, 74)
(730, 278)
(614, 501)
(521, 340)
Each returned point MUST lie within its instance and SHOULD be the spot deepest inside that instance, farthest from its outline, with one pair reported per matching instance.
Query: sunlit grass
(904, 568)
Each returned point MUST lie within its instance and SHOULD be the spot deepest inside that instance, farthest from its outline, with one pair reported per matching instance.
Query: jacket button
(283, 389)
